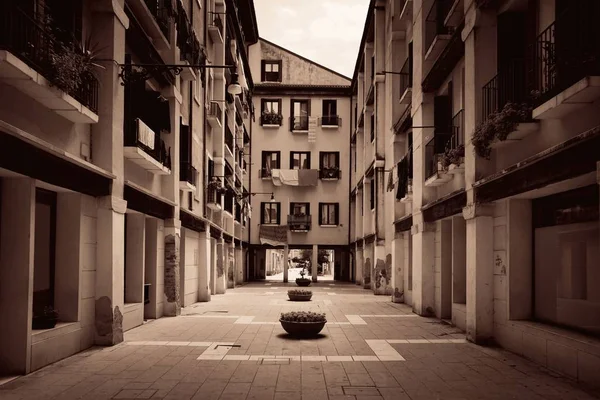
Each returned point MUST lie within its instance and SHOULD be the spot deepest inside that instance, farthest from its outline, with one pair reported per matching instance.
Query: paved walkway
(234, 348)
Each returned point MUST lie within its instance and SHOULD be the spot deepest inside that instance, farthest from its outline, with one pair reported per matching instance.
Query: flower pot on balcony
(303, 281)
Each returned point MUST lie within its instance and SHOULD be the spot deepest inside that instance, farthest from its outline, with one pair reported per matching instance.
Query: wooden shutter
(279, 78)
(262, 213)
(291, 114)
(442, 119)
(337, 213)
(320, 213)
(291, 160)
(308, 160)
(278, 163)
(185, 143)
(307, 208)
(278, 205)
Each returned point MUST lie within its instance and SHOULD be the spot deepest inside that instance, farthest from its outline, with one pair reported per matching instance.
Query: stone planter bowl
(303, 329)
(303, 282)
(300, 297)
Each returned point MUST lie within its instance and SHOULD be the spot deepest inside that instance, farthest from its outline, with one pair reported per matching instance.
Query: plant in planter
(46, 319)
(302, 281)
(303, 323)
(299, 295)
(271, 118)
(452, 156)
(498, 126)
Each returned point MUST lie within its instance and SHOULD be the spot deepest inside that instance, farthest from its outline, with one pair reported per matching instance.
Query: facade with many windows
(475, 170)
(106, 155)
(300, 154)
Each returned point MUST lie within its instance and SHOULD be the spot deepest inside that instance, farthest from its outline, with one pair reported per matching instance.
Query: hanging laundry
(276, 177)
(308, 177)
(390, 184)
(289, 177)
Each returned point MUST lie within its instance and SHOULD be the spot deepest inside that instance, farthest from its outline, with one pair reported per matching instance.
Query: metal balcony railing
(405, 77)
(434, 149)
(28, 40)
(264, 173)
(187, 173)
(330, 120)
(217, 22)
(458, 131)
(213, 195)
(160, 12)
(434, 23)
(330, 173)
(214, 110)
(148, 141)
(271, 119)
(299, 222)
(299, 123)
(508, 86)
(567, 51)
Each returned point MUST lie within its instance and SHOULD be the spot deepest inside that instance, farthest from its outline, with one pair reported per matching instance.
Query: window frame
(270, 100)
(263, 214)
(326, 206)
(300, 203)
(265, 154)
(300, 153)
(264, 72)
(324, 154)
(293, 115)
(373, 194)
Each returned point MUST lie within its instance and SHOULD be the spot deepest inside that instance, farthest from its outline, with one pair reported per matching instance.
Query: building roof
(363, 41)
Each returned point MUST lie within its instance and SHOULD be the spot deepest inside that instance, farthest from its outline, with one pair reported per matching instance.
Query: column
(17, 232)
(358, 260)
(314, 261)
(423, 245)
(221, 283)
(172, 305)
(459, 260)
(381, 272)
(239, 265)
(480, 272)
(286, 252)
(136, 240)
(204, 264)
(213, 265)
(398, 265)
(110, 270)
(443, 270)
(230, 264)
(155, 295)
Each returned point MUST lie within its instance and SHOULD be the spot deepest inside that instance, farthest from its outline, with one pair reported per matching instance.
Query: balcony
(264, 173)
(299, 124)
(161, 14)
(406, 82)
(229, 143)
(437, 34)
(213, 197)
(299, 223)
(330, 174)
(26, 62)
(330, 121)
(215, 28)
(214, 113)
(271, 120)
(444, 153)
(404, 189)
(187, 177)
(566, 70)
(145, 148)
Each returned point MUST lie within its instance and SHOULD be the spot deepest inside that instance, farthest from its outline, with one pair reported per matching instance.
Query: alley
(235, 348)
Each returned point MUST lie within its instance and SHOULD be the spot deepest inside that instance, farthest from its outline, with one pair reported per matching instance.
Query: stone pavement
(234, 348)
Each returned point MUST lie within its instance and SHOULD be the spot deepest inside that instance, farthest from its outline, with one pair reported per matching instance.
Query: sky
(327, 32)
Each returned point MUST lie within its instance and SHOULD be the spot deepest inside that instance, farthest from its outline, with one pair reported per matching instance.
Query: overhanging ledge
(575, 157)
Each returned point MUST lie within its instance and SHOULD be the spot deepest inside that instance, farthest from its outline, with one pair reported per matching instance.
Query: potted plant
(302, 281)
(302, 323)
(46, 319)
(299, 295)
(452, 156)
(271, 118)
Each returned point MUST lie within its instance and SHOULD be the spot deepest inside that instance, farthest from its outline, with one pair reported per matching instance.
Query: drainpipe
(350, 185)
(204, 193)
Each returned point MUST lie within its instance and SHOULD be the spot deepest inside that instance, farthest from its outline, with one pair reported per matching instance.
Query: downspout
(350, 275)
(204, 192)
(191, 122)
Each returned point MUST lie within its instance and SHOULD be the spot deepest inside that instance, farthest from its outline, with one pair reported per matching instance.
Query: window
(372, 127)
(300, 160)
(270, 160)
(300, 209)
(45, 248)
(271, 71)
(330, 117)
(372, 185)
(270, 213)
(328, 214)
(299, 115)
(329, 164)
(270, 112)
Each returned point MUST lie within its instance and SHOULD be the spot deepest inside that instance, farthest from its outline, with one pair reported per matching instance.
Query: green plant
(302, 273)
(271, 118)
(303, 316)
(498, 126)
(300, 292)
(452, 156)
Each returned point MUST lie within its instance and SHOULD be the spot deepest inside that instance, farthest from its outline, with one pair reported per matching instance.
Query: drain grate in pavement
(228, 345)
(360, 391)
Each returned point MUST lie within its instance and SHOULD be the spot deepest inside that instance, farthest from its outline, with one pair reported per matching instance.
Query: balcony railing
(405, 77)
(187, 173)
(271, 119)
(264, 173)
(458, 131)
(217, 22)
(330, 120)
(229, 138)
(214, 110)
(299, 222)
(567, 51)
(434, 149)
(508, 86)
(434, 23)
(299, 123)
(138, 135)
(213, 195)
(330, 173)
(28, 40)
(160, 12)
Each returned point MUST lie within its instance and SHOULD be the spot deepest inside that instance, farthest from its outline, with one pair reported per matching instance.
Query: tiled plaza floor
(429, 360)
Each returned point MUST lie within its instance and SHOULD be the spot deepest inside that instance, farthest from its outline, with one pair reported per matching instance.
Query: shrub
(300, 292)
(303, 316)
(452, 156)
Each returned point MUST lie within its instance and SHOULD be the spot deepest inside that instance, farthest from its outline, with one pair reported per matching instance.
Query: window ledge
(300, 131)
(60, 329)
(328, 226)
(329, 126)
(270, 126)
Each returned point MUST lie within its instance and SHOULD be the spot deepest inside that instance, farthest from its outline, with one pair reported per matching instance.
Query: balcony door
(300, 113)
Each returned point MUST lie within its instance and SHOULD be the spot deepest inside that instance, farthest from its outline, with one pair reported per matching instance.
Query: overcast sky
(325, 31)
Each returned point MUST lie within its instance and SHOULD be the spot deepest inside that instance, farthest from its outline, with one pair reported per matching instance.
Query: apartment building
(475, 170)
(300, 154)
(111, 130)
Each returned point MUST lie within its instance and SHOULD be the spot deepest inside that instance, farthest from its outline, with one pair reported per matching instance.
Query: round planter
(300, 297)
(43, 323)
(303, 282)
(303, 329)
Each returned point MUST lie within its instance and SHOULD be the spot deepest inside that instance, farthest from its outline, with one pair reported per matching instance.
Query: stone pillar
(423, 243)
(382, 270)
(286, 253)
(221, 283)
(136, 241)
(213, 265)
(109, 270)
(230, 264)
(151, 265)
(315, 262)
(398, 265)
(204, 263)
(443, 270)
(480, 272)
(459, 260)
(17, 232)
(239, 265)
(172, 306)
(358, 261)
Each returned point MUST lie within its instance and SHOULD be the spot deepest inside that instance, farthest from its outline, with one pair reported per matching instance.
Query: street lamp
(234, 87)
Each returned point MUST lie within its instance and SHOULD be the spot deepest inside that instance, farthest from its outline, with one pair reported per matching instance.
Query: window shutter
(308, 160)
(291, 115)
(321, 156)
(308, 107)
(291, 160)
(337, 213)
(278, 163)
(262, 70)
(307, 208)
(320, 213)
(278, 205)
(279, 78)
(337, 159)
(262, 213)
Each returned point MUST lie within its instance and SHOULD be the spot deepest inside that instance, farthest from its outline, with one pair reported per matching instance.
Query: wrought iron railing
(213, 195)
(458, 131)
(299, 123)
(434, 149)
(264, 173)
(299, 222)
(154, 146)
(34, 44)
(434, 23)
(330, 120)
(216, 22)
(405, 77)
(329, 173)
(567, 51)
(271, 119)
(508, 86)
(161, 14)
(214, 110)
(187, 172)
